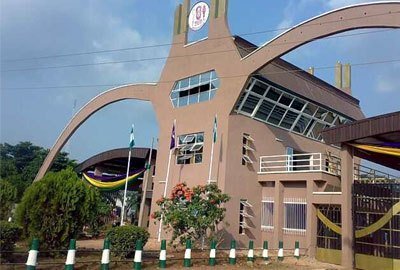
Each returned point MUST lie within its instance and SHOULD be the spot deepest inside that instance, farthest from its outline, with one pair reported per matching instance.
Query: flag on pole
(132, 139)
(172, 144)
(215, 129)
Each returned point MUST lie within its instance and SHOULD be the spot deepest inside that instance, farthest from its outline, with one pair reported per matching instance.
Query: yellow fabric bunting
(114, 184)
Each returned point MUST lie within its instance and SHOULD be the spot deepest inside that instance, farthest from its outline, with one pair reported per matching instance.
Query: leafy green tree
(8, 194)
(191, 213)
(56, 208)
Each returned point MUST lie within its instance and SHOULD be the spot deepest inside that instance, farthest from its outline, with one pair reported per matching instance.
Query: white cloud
(342, 3)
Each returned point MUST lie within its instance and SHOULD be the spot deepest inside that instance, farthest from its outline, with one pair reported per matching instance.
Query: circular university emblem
(198, 15)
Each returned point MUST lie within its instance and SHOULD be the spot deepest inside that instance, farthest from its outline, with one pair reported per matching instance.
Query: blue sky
(40, 28)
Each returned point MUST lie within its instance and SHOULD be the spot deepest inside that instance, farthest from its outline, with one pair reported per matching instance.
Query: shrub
(123, 239)
(9, 234)
(192, 213)
(56, 208)
(8, 194)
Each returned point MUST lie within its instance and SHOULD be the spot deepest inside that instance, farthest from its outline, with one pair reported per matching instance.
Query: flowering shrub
(192, 213)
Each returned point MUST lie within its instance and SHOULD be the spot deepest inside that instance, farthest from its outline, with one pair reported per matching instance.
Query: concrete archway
(371, 15)
(143, 92)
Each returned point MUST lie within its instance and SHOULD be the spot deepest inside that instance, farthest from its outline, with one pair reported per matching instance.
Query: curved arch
(371, 15)
(135, 91)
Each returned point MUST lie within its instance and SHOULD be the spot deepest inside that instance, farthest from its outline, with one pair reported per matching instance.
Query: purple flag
(172, 144)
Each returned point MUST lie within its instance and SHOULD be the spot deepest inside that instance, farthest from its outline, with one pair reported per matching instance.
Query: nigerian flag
(215, 129)
(132, 139)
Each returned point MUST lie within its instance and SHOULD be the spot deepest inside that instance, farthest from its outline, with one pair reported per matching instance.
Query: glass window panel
(198, 158)
(330, 117)
(175, 102)
(183, 101)
(301, 124)
(276, 115)
(204, 96)
(184, 93)
(240, 101)
(310, 109)
(194, 80)
(174, 95)
(316, 131)
(249, 83)
(310, 125)
(213, 75)
(320, 114)
(298, 104)
(205, 77)
(184, 83)
(212, 93)
(215, 84)
(194, 91)
(204, 87)
(250, 103)
(200, 138)
(285, 99)
(264, 110)
(176, 86)
(340, 121)
(259, 88)
(194, 99)
(273, 94)
(289, 119)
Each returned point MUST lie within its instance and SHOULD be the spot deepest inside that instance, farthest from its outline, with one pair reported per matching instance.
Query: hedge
(9, 234)
(123, 239)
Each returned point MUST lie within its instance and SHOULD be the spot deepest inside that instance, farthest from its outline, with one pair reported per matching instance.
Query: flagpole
(131, 144)
(166, 182)
(126, 187)
(212, 149)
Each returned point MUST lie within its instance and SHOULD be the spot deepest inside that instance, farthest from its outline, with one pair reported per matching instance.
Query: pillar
(311, 229)
(278, 214)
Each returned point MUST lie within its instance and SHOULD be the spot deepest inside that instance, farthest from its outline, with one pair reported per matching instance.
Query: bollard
(163, 254)
(105, 257)
(297, 250)
(232, 253)
(250, 254)
(211, 261)
(280, 251)
(33, 253)
(188, 253)
(137, 260)
(265, 251)
(70, 261)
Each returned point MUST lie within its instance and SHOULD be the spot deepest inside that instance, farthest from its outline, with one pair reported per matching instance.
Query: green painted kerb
(163, 262)
(187, 261)
(250, 256)
(212, 260)
(233, 247)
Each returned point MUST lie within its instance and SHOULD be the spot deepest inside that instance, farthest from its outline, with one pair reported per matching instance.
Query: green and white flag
(132, 139)
(215, 129)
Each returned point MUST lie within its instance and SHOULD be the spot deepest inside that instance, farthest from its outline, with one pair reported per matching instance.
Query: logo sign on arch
(198, 15)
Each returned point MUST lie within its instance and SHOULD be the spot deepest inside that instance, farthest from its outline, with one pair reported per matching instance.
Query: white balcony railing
(308, 162)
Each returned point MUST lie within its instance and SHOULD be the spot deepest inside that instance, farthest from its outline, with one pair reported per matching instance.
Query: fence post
(265, 251)
(188, 253)
(232, 253)
(105, 257)
(250, 254)
(211, 261)
(70, 261)
(163, 254)
(31, 262)
(280, 251)
(137, 260)
(297, 250)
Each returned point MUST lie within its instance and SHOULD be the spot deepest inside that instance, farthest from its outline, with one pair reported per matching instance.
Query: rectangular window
(247, 148)
(244, 215)
(295, 215)
(190, 148)
(267, 213)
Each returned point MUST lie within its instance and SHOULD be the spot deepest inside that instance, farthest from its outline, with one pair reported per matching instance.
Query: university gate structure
(271, 155)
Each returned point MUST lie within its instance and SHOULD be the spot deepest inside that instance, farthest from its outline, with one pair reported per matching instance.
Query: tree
(8, 194)
(191, 213)
(56, 208)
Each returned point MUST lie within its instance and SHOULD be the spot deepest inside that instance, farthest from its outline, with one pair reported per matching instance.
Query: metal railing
(364, 174)
(307, 162)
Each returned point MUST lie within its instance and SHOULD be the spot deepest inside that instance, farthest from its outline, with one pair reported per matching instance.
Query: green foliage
(9, 234)
(123, 239)
(8, 194)
(191, 213)
(56, 208)
(20, 163)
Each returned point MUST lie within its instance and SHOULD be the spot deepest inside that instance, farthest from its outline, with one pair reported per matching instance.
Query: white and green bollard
(280, 251)
(188, 254)
(163, 255)
(232, 253)
(250, 254)
(137, 260)
(70, 261)
(213, 252)
(297, 250)
(265, 251)
(31, 262)
(105, 256)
